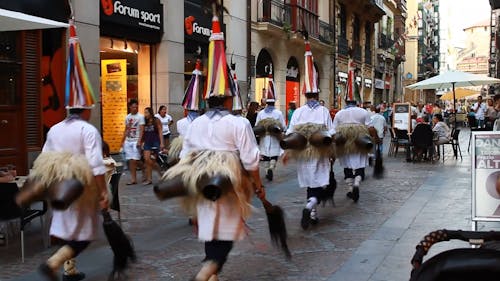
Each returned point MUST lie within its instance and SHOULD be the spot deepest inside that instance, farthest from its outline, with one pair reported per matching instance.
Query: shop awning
(11, 21)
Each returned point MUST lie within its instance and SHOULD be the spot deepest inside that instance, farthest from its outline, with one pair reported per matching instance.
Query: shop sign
(485, 176)
(139, 14)
(368, 83)
(197, 25)
(192, 26)
(379, 84)
(342, 77)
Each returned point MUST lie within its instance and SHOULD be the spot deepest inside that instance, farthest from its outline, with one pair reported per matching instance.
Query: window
(343, 21)
(356, 30)
(368, 36)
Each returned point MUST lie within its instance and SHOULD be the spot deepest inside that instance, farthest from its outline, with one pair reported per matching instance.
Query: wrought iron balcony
(300, 15)
(325, 32)
(274, 12)
(385, 42)
(343, 46)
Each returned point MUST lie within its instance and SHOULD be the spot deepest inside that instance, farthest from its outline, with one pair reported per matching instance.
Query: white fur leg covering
(349, 182)
(272, 164)
(311, 203)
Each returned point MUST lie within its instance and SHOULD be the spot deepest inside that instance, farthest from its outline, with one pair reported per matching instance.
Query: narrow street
(167, 249)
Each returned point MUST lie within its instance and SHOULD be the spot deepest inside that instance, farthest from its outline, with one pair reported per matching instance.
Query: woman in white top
(166, 120)
(440, 128)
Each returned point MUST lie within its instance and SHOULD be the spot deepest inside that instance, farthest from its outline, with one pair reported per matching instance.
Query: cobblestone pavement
(168, 250)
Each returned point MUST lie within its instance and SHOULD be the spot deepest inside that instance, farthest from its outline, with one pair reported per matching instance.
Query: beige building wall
(411, 52)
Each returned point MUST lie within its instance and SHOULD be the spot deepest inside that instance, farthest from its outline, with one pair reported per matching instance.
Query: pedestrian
(166, 120)
(351, 124)
(479, 109)
(490, 115)
(313, 162)
(252, 112)
(131, 141)
(151, 142)
(222, 146)
(70, 141)
(292, 106)
(377, 121)
(271, 119)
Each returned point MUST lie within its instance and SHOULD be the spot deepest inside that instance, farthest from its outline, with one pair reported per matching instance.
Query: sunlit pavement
(371, 240)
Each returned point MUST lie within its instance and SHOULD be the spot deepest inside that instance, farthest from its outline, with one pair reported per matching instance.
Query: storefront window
(125, 75)
(9, 68)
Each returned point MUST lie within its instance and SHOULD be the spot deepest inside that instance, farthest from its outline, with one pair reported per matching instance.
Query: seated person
(421, 137)
(6, 177)
(440, 128)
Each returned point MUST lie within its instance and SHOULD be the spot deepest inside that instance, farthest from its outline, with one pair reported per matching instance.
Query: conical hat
(270, 93)
(79, 91)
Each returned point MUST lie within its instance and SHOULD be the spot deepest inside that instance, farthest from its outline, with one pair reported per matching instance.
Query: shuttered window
(32, 90)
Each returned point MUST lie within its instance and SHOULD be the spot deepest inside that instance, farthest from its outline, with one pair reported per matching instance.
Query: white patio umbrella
(453, 79)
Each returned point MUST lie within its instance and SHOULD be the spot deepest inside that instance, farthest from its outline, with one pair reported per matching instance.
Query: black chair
(115, 203)
(455, 145)
(10, 211)
(422, 141)
(402, 140)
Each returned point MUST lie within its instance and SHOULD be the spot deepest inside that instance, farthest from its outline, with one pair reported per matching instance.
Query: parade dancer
(353, 143)
(193, 104)
(218, 171)
(272, 122)
(72, 151)
(308, 141)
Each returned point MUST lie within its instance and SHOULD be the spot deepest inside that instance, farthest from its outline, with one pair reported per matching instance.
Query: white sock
(349, 182)
(311, 203)
(313, 213)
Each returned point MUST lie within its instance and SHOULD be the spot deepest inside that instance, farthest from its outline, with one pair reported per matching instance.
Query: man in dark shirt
(252, 112)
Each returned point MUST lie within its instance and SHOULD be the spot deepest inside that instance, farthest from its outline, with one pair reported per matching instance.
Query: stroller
(481, 263)
(161, 159)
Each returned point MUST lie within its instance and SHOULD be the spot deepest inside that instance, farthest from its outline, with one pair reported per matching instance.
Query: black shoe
(314, 221)
(355, 194)
(306, 218)
(74, 277)
(349, 194)
(269, 175)
(47, 272)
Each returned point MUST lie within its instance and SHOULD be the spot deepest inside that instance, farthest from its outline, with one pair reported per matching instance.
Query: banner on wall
(485, 176)
(114, 101)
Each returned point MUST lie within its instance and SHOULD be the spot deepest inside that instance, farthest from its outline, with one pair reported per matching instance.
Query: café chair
(10, 211)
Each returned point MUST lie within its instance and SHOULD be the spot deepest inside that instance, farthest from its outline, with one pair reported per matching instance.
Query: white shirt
(479, 110)
(77, 137)
(312, 173)
(164, 123)
(182, 126)
(352, 115)
(132, 125)
(269, 145)
(377, 121)
(228, 133)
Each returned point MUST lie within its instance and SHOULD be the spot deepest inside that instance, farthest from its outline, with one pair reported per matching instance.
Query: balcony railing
(274, 12)
(299, 15)
(343, 46)
(385, 42)
(368, 56)
(325, 32)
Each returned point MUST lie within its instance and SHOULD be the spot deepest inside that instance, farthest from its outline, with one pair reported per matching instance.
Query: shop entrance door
(10, 115)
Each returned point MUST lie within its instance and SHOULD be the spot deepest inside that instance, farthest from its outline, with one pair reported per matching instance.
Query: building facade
(422, 48)
(146, 50)
(474, 56)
